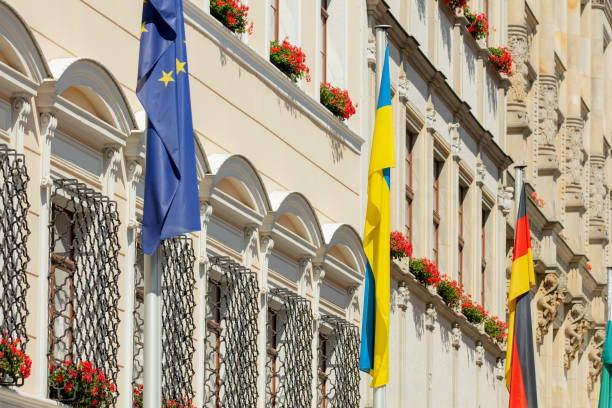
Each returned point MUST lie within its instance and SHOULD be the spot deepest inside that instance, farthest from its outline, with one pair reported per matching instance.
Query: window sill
(250, 60)
(12, 398)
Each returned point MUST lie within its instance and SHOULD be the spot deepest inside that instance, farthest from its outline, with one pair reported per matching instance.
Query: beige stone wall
(557, 125)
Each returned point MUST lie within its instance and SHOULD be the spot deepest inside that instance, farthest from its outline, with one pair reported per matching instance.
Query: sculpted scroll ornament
(575, 155)
(548, 113)
(597, 190)
(549, 299)
(574, 332)
(594, 354)
(519, 45)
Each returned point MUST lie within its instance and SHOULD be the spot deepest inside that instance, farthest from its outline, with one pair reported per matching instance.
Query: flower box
(496, 329)
(501, 59)
(400, 247)
(232, 14)
(80, 385)
(15, 365)
(290, 59)
(478, 26)
(456, 4)
(337, 101)
(450, 291)
(472, 311)
(137, 400)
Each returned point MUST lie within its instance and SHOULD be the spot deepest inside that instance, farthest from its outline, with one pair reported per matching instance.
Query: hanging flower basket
(501, 59)
(80, 385)
(232, 14)
(137, 400)
(290, 59)
(478, 25)
(337, 101)
(15, 365)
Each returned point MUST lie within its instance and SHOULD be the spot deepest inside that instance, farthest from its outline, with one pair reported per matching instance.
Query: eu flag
(171, 203)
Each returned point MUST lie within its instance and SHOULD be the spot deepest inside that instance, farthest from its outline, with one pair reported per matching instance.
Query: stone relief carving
(536, 247)
(479, 354)
(206, 210)
(597, 190)
(519, 45)
(21, 111)
(575, 154)
(48, 124)
(456, 336)
(578, 324)
(402, 296)
(453, 130)
(499, 369)
(547, 115)
(371, 53)
(550, 295)
(594, 355)
(430, 317)
(430, 117)
(505, 195)
(134, 175)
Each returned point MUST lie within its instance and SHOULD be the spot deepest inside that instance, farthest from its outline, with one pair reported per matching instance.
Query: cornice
(251, 60)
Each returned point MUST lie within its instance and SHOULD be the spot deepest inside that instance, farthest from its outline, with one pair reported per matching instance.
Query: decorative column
(265, 251)
(134, 174)
(112, 159)
(455, 155)
(21, 112)
(318, 274)
(206, 210)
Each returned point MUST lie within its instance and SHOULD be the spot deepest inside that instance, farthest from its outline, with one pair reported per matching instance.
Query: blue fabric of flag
(171, 202)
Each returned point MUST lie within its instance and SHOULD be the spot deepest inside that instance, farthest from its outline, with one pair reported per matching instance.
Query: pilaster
(21, 112)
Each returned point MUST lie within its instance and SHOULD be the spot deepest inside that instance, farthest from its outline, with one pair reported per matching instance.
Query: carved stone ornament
(456, 336)
(547, 116)
(479, 354)
(206, 210)
(266, 244)
(404, 90)
(402, 297)
(48, 124)
(519, 46)
(594, 355)
(21, 111)
(550, 294)
(577, 326)
(536, 247)
(134, 175)
(505, 196)
(500, 369)
(453, 130)
(597, 189)
(430, 117)
(575, 154)
(430, 317)
(371, 53)
(480, 172)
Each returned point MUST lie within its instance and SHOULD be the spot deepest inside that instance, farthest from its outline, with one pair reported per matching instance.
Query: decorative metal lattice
(14, 258)
(338, 364)
(178, 304)
(289, 352)
(83, 280)
(231, 338)
(138, 358)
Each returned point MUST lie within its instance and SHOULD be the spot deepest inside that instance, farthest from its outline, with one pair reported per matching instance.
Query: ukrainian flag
(374, 356)
(520, 369)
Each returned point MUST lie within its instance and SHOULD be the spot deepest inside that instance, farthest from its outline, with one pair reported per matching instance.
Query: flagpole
(153, 331)
(380, 393)
(609, 293)
(518, 185)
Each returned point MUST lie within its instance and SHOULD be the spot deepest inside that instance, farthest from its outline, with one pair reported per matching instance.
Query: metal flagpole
(380, 393)
(153, 332)
(518, 186)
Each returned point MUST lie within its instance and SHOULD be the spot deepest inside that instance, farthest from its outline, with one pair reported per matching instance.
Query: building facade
(262, 307)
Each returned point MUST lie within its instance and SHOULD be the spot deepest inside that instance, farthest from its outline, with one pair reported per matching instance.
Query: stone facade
(561, 63)
(282, 186)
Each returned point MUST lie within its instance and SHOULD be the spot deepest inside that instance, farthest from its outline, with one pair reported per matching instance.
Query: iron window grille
(178, 326)
(83, 281)
(138, 357)
(289, 352)
(231, 335)
(14, 258)
(338, 371)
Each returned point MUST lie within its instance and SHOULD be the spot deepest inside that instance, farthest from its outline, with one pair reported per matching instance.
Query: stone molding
(574, 165)
(597, 196)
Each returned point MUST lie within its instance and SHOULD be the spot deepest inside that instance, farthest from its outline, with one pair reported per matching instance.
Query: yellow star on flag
(166, 77)
(180, 66)
(143, 29)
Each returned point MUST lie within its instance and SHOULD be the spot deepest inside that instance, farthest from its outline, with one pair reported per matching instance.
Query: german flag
(520, 369)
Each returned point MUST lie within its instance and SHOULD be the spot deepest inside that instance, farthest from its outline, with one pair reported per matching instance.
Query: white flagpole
(380, 393)
(153, 332)
(518, 187)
